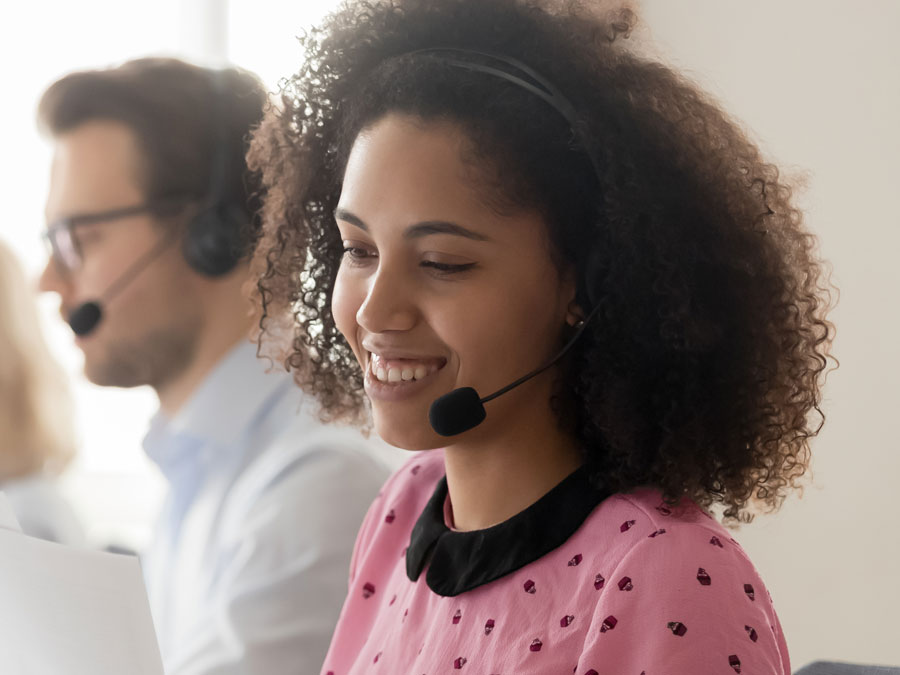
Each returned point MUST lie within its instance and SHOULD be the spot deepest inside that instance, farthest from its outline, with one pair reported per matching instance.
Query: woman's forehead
(407, 170)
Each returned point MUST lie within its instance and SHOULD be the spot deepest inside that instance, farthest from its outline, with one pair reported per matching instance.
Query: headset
(525, 77)
(463, 408)
(213, 241)
(214, 238)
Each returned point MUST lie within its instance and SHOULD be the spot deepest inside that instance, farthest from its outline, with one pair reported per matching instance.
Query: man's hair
(185, 118)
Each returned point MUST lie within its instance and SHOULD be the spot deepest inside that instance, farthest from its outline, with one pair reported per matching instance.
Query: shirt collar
(462, 561)
(219, 411)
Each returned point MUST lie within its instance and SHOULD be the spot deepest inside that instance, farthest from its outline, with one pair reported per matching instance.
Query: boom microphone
(85, 318)
(462, 409)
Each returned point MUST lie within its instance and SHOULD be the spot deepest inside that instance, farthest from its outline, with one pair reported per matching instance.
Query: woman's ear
(574, 314)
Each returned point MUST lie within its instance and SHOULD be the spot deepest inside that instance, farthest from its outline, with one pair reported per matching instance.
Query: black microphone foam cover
(85, 318)
(456, 412)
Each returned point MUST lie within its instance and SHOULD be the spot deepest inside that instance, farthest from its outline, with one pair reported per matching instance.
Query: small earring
(578, 324)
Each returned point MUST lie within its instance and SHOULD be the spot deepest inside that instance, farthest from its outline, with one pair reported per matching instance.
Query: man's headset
(213, 241)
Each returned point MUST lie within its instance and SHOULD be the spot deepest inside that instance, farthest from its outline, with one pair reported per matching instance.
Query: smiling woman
(448, 296)
(455, 189)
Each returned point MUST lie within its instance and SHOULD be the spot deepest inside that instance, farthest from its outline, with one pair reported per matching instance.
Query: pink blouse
(638, 589)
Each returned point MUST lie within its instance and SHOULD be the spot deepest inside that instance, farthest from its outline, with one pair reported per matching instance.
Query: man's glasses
(62, 239)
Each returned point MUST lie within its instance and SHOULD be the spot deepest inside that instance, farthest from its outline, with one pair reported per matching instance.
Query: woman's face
(436, 290)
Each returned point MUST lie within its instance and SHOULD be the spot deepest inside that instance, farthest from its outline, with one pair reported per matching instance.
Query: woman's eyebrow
(427, 227)
(422, 229)
(346, 216)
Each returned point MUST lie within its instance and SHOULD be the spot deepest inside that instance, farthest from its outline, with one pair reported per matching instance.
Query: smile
(397, 371)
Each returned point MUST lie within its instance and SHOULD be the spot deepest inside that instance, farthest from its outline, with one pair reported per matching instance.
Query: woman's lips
(396, 378)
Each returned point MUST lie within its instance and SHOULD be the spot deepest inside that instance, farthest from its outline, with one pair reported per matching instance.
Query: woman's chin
(401, 436)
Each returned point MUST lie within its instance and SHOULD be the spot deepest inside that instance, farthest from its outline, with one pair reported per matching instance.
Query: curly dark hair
(702, 372)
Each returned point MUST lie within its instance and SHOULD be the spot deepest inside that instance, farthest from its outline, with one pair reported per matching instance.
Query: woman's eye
(447, 268)
(357, 254)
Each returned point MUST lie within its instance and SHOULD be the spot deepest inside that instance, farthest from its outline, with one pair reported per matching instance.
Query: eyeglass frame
(67, 225)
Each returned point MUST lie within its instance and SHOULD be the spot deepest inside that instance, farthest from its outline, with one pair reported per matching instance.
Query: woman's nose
(389, 304)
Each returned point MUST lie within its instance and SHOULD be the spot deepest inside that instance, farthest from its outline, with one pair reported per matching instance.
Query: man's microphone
(85, 318)
(462, 409)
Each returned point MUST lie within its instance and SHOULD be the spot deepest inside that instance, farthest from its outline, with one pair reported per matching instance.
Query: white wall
(818, 83)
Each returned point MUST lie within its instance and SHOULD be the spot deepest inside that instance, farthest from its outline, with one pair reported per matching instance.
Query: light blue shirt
(247, 570)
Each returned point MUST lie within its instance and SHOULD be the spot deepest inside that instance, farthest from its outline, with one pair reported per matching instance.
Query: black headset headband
(472, 59)
(540, 86)
(219, 168)
(213, 243)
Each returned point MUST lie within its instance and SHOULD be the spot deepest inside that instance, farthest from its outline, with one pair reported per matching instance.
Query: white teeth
(406, 373)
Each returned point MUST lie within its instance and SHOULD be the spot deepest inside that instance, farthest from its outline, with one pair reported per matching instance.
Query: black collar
(461, 561)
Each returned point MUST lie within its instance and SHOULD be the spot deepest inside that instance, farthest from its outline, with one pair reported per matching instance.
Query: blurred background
(815, 82)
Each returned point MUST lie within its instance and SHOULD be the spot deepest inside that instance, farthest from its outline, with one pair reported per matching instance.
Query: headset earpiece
(213, 240)
(213, 244)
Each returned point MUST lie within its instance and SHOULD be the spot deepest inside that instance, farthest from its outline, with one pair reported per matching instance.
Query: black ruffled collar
(461, 561)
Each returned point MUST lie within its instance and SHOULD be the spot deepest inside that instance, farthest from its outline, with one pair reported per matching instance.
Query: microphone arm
(462, 409)
(139, 266)
(85, 318)
(540, 370)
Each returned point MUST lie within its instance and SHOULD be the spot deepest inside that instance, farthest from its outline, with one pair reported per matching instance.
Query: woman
(37, 438)
(460, 191)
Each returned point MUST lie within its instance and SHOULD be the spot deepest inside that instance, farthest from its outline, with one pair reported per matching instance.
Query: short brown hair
(182, 115)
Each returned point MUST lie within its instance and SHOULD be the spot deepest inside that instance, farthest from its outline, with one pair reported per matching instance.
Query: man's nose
(51, 279)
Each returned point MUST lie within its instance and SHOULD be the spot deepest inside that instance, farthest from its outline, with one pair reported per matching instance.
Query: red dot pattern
(673, 574)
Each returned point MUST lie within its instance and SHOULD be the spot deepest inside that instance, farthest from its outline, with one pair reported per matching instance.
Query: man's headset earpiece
(213, 242)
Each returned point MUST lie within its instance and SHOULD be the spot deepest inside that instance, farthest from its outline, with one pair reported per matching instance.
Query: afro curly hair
(702, 372)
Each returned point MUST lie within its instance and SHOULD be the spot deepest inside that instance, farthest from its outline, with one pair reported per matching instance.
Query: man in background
(151, 217)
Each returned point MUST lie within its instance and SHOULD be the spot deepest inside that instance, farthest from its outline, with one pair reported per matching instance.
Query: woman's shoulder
(398, 505)
(645, 510)
(674, 572)
(639, 534)
(410, 487)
